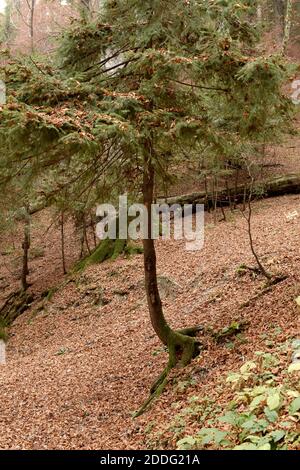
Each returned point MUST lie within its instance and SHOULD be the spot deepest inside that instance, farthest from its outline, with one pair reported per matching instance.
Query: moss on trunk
(107, 249)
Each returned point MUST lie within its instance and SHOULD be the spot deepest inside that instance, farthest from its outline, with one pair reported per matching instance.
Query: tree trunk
(259, 14)
(32, 11)
(181, 345)
(86, 235)
(158, 321)
(26, 247)
(62, 233)
(248, 217)
(287, 26)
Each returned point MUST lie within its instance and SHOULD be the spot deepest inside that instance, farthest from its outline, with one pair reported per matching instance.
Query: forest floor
(79, 364)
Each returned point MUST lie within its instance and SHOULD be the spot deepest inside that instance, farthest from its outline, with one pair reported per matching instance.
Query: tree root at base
(266, 289)
(155, 391)
(190, 348)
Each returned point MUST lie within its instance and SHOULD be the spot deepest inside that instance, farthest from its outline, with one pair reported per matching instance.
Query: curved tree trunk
(158, 320)
(181, 345)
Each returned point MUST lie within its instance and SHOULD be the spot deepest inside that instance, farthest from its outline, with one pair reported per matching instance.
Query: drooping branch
(193, 85)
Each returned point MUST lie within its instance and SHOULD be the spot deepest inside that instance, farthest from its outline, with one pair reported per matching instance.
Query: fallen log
(277, 186)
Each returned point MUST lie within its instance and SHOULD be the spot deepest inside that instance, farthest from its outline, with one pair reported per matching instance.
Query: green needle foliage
(184, 75)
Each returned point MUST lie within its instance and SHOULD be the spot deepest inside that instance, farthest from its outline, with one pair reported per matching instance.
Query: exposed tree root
(271, 280)
(182, 349)
(230, 331)
(244, 268)
(156, 389)
(15, 304)
(276, 280)
(192, 331)
(266, 289)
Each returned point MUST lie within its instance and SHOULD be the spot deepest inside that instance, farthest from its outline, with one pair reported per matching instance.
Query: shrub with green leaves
(262, 410)
(263, 414)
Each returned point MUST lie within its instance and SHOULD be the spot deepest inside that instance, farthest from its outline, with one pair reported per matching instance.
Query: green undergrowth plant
(262, 410)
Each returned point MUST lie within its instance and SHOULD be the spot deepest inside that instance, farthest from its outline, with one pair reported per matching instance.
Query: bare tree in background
(287, 26)
(247, 214)
(26, 14)
(32, 25)
(31, 6)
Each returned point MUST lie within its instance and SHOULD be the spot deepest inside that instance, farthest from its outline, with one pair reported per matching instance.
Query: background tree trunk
(31, 24)
(26, 247)
(287, 26)
(62, 233)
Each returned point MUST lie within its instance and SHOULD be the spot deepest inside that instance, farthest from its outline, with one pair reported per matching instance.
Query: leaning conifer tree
(132, 88)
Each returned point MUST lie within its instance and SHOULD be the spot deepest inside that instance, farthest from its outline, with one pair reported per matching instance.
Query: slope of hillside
(81, 363)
